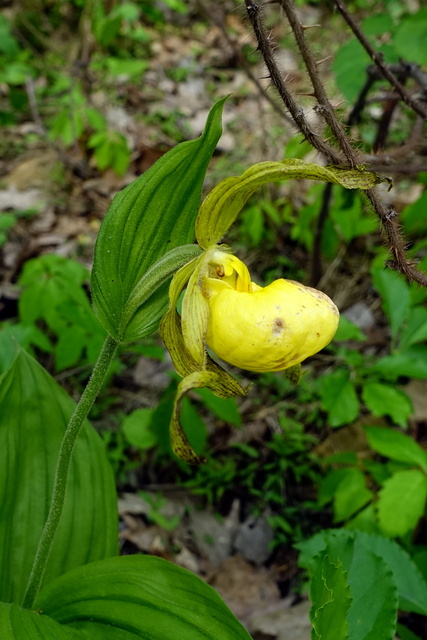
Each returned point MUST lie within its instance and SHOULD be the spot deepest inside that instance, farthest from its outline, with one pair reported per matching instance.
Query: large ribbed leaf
(20, 624)
(34, 411)
(152, 216)
(136, 597)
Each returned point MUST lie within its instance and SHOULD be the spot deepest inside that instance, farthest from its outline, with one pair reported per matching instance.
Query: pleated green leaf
(223, 204)
(150, 217)
(20, 624)
(136, 597)
(34, 411)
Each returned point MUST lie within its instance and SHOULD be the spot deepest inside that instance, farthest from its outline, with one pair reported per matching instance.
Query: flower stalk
(62, 469)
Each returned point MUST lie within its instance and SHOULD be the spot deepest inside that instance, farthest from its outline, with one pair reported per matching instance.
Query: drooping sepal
(187, 345)
(223, 204)
(221, 384)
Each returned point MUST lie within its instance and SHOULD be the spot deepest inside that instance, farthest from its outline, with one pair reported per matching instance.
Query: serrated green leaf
(152, 216)
(412, 589)
(338, 397)
(397, 446)
(401, 502)
(330, 595)
(34, 412)
(373, 611)
(135, 597)
(385, 400)
(223, 204)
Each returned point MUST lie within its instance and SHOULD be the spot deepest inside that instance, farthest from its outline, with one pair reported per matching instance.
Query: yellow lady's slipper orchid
(265, 329)
(259, 329)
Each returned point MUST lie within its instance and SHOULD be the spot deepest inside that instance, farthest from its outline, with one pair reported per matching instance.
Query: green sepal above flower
(223, 204)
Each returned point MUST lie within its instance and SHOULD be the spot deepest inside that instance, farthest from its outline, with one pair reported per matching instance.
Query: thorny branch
(297, 113)
(219, 22)
(386, 215)
(378, 61)
(323, 107)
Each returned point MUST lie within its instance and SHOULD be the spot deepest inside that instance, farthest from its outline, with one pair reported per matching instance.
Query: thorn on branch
(251, 6)
(392, 264)
(391, 214)
(322, 60)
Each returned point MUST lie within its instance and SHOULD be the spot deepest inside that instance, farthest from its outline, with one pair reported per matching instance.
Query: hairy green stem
(62, 468)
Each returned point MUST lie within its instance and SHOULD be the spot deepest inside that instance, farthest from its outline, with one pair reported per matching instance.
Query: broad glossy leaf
(34, 411)
(223, 204)
(401, 502)
(150, 217)
(135, 597)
